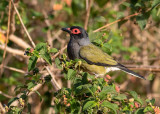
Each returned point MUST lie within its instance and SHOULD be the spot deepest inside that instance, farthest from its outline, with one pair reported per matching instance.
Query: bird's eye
(76, 31)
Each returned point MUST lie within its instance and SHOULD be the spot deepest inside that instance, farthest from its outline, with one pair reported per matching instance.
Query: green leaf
(135, 96)
(39, 95)
(70, 74)
(120, 97)
(47, 78)
(101, 3)
(45, 55)
(53, 50)
(105, 91)
(12, 100)
(36, 53)
(142, 20)
(32, 62)
(58, 62)
(148, 109)
(152, 101)
(155, 3)
(150, 77)
(31, 85)
(109, 105)
(89, 105)
(43, 50)
(139, 111)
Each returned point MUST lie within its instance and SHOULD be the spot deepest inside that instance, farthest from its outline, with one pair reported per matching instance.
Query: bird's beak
(66, 30)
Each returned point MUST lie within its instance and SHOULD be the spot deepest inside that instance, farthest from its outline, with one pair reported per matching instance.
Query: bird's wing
(93, 55)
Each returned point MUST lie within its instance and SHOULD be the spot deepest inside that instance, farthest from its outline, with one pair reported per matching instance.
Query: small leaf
(32, 62)
(134, 94)
(12, 100)
(70, 74)
(57, 62)
(43, 50)
(142, 20)
(39, 95)
(120, 97)
(89, 105)
(47, 78)
(45, 55)
(109, 105)
(105, 91)
(152, 101)
(139, 111)
(31, 85)
(53, 50)
(148, 109)
(150, 77)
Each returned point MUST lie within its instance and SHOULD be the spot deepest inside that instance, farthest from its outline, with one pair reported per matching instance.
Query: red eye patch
(75, 31)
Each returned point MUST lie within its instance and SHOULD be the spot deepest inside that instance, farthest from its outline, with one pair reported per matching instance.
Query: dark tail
(125, 69)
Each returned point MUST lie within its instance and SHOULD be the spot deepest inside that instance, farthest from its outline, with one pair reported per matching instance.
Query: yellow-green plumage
(96, 55)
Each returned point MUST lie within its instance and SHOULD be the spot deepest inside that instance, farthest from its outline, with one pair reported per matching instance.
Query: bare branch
(125, 18)
(33, 44)
(145, 68)
(19, 41)
(8, 96)
(13, 51)
(6, 41)
(15, 69)
(88, 13)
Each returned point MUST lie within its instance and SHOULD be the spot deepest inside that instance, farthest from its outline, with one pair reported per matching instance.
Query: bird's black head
(76, 32)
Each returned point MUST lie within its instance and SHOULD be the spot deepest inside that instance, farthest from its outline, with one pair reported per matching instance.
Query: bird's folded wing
(93, 55)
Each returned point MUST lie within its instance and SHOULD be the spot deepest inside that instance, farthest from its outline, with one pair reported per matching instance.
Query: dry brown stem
(19, 41)
(6, 41)
(88, 13)
(122, 19)
(13, 51)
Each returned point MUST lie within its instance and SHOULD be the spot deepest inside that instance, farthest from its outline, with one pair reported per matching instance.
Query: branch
(19, 41)
(122, 19)
(145, 68)
(60, 51)
(8, 96)
(88, 13)
(6, 41)
(15, 69)
(13, 51)
(33, 44)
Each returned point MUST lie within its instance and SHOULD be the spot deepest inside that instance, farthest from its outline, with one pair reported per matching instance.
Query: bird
(94, 60)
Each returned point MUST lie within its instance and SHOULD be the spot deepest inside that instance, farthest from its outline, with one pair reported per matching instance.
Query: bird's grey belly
(73, 51)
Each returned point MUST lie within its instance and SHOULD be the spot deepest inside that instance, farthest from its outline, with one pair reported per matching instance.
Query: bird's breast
(73, 50)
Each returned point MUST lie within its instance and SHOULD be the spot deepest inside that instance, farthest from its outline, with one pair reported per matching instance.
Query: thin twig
(145, 68)
(8, 96)
(15, 69)
(19, 41)
(59, 52)
(122, 19)
(33, 44)
(13, 51)
(88, 13)
(53, 81)
(6, 41)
